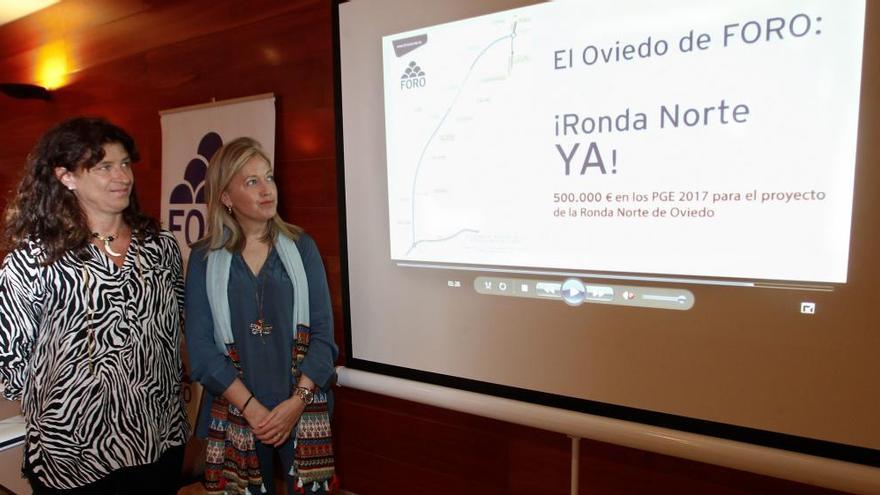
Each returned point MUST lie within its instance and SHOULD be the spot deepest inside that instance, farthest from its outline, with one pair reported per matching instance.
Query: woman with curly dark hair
(91, 297)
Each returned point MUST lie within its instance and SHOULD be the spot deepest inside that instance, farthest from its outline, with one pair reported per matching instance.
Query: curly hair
(45, 211)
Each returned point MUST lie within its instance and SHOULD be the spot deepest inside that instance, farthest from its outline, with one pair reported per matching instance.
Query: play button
(573, 292)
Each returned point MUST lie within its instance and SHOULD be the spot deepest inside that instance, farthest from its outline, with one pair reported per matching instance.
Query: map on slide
(439, 189)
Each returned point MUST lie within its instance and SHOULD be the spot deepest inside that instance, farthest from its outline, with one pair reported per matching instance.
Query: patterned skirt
(231, 465)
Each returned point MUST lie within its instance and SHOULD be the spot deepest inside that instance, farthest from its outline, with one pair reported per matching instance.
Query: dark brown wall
(132, 58)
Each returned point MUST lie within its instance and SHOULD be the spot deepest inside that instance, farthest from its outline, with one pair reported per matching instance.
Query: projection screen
(654, 211)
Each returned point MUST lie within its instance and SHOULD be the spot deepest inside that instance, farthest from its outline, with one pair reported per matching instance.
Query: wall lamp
(25, 91)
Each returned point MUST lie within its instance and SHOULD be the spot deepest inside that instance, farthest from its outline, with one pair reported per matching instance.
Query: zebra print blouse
(93, 352)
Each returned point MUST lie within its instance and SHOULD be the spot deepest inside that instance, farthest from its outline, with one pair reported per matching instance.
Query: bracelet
(305, 394)
(246, 404)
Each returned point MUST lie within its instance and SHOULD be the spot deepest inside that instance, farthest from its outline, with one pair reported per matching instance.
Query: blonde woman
(259, 334)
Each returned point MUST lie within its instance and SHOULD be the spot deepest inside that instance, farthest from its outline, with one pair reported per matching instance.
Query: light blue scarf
(217, 283)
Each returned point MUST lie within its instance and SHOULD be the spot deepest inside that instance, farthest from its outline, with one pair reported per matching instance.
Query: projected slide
(685, 140)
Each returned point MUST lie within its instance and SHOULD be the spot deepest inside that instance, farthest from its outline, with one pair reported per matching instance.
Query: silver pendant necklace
(261, 327)
(107, 240)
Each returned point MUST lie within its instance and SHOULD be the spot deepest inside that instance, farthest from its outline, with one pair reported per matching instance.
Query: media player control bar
(574, 292)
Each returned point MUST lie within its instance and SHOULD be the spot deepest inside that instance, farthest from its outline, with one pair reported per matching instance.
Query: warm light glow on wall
(52, 65)
(271, 55)
(305, 135)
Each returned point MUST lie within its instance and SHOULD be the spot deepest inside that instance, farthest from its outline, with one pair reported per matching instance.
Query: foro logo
(413, 77)
(183, 214)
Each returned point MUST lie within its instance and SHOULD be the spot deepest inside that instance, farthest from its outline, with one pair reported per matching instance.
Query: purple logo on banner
(182, 216)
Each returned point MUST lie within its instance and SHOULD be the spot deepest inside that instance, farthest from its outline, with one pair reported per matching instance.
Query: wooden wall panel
(426, 450)
(133, 58)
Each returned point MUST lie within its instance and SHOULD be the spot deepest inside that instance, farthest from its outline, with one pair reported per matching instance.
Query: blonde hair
(225, 163)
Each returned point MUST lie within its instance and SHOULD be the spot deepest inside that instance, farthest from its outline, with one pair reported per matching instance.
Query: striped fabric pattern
(93, 352)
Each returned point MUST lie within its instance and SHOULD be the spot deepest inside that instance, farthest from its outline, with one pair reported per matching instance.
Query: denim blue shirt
(265, 360)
